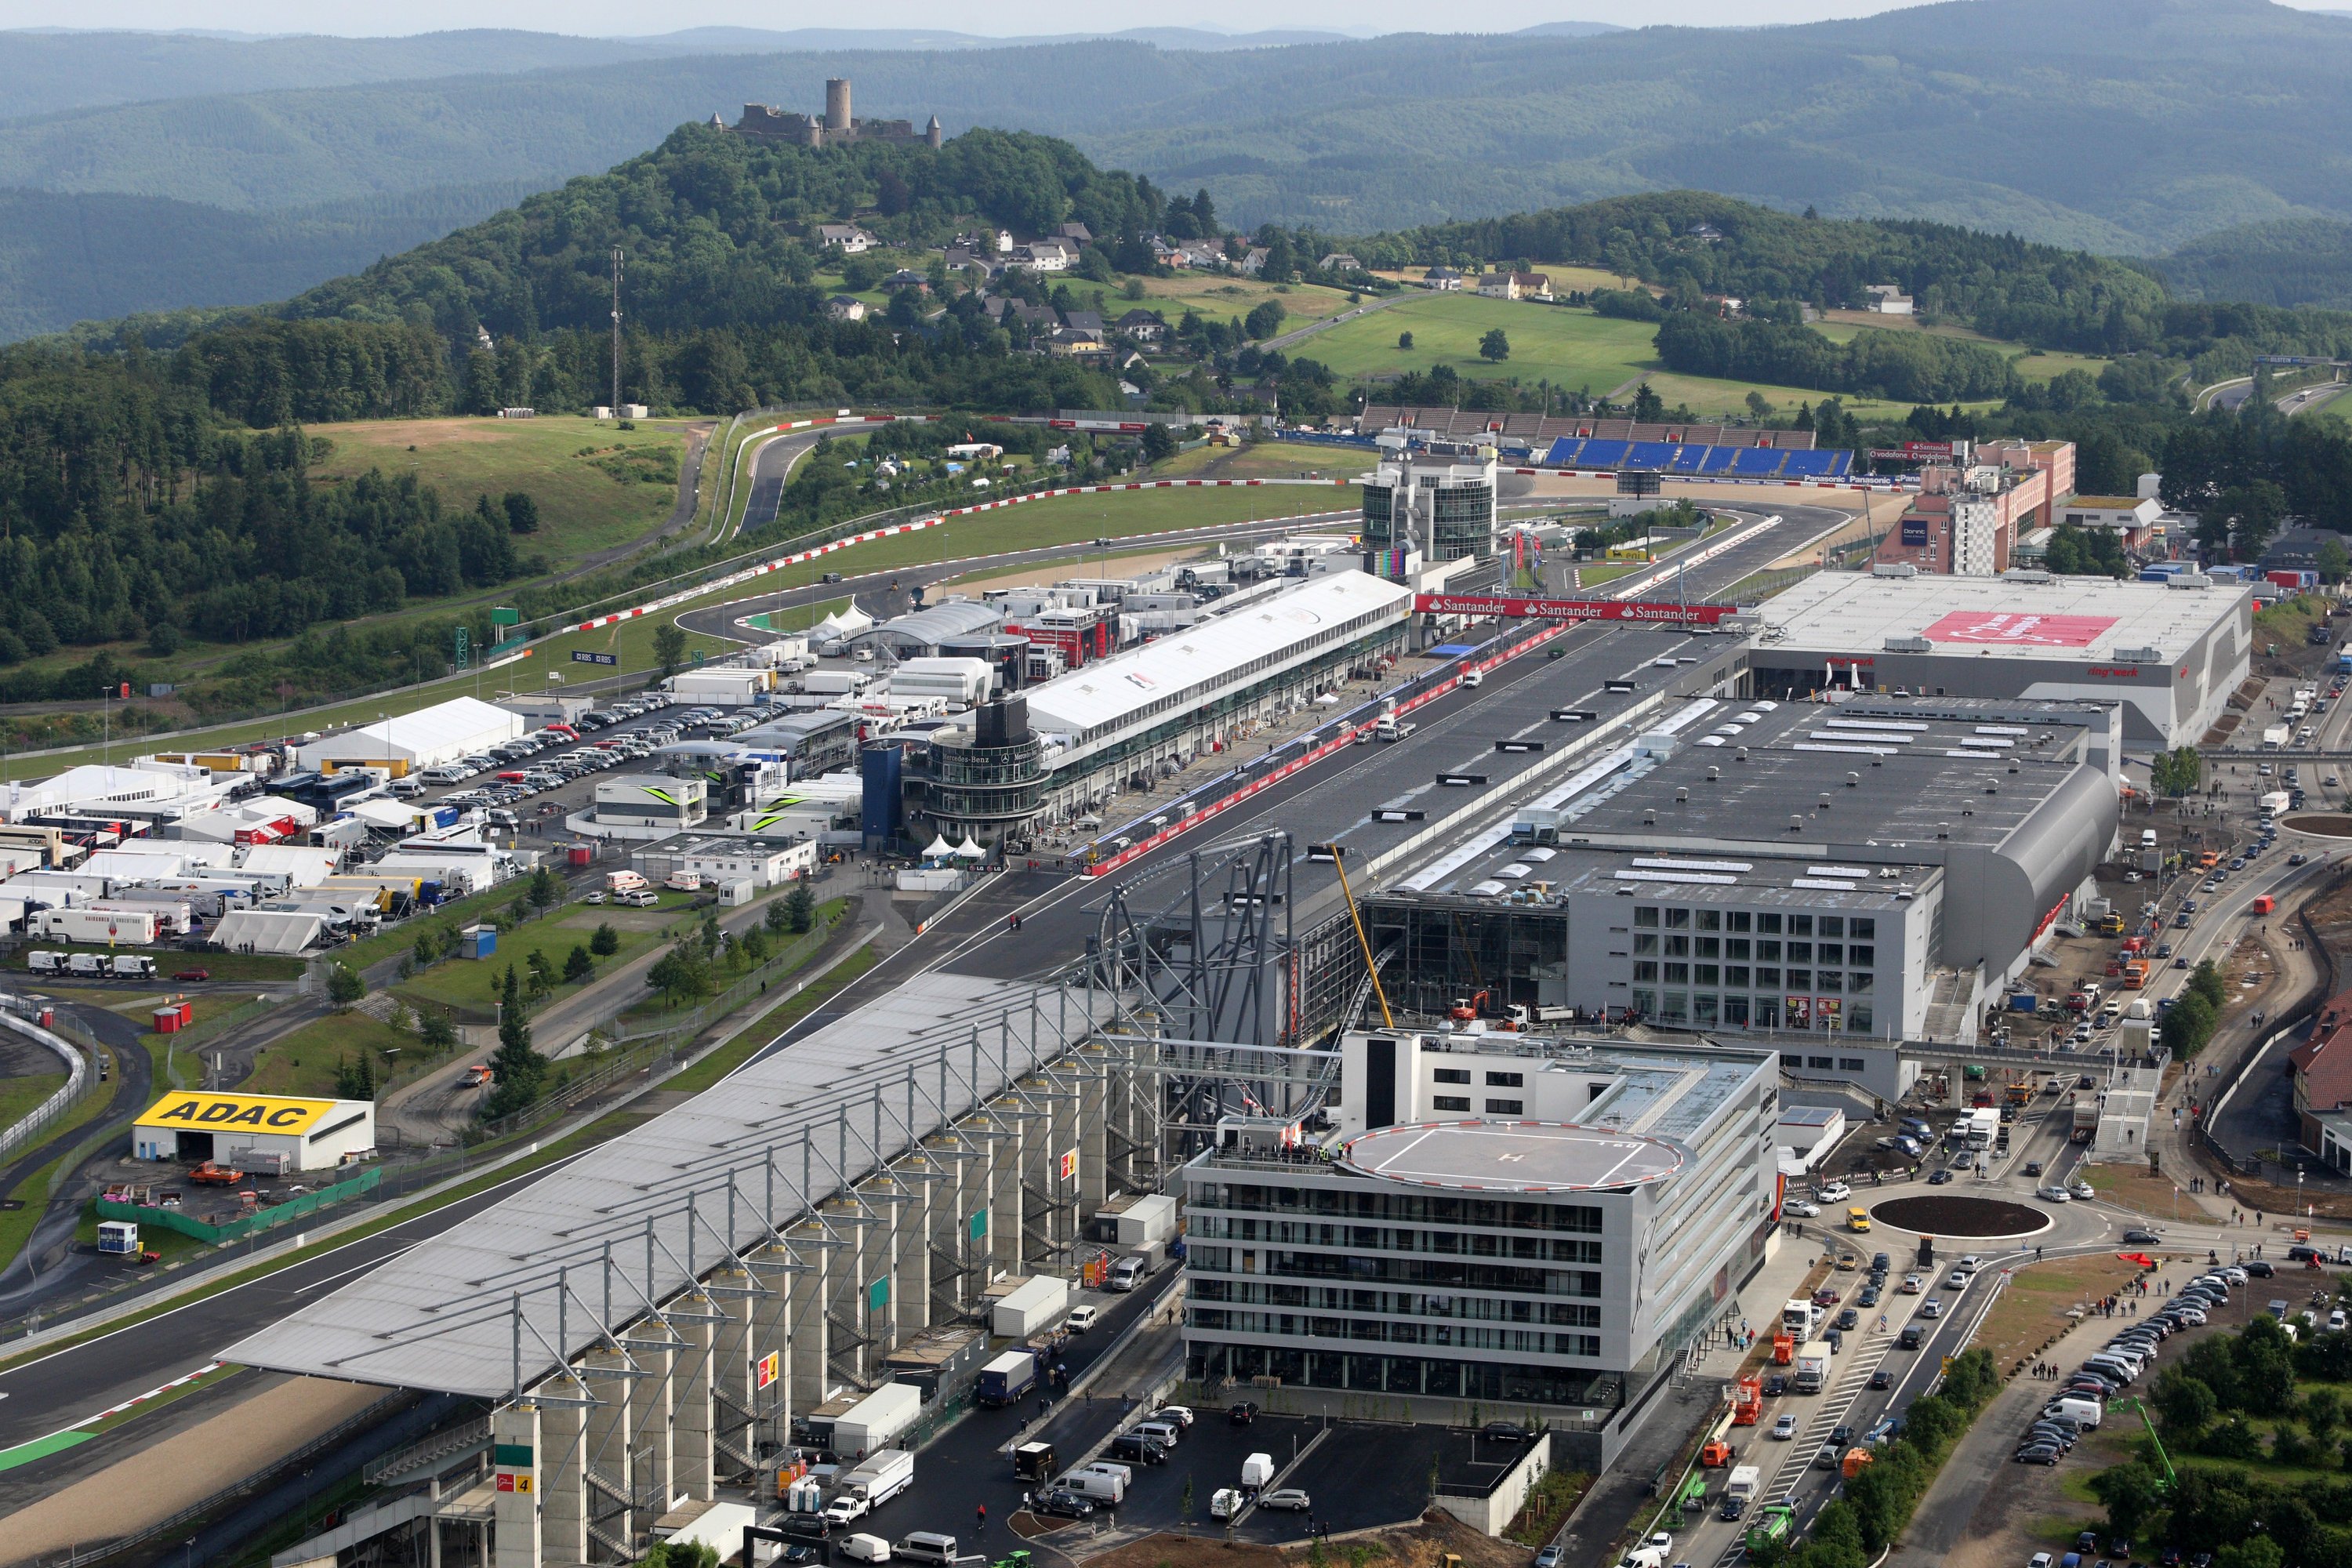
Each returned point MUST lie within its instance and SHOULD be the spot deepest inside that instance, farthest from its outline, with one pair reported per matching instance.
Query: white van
(1106, 1491)
(1128, 1272)
(2083, 1413)
(926, 1546)
(865, 1549)
(2147, 837)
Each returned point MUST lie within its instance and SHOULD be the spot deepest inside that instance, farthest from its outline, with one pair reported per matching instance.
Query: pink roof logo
(2008, 628)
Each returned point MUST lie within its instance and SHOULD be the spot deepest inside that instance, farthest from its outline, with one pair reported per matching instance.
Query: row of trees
(2196, 1012)
(1912, 367)
(1855, 1527)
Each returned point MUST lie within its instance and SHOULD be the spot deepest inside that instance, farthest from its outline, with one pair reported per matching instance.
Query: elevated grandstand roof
(925, 627)
(1541, 428)
(1203, 660)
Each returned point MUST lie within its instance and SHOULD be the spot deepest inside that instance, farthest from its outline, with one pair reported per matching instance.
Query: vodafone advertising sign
(2011, 629)
(1568, 609)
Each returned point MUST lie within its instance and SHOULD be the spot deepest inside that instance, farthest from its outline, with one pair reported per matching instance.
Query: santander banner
(2007, 629)
(1518, 608)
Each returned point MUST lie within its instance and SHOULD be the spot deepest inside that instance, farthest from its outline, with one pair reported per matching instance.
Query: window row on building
(1399, 1207)
(1393, 1330)
(1707, 1009)
(1208, 1226)
(1395, 1271)
(1397, 1303)
(1514, 1383)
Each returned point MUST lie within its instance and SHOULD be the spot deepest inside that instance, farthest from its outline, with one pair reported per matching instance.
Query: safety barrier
(244, 1225)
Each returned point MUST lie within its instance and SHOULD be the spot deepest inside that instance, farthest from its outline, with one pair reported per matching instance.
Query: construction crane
(2171, 1478)
(1388, 1020)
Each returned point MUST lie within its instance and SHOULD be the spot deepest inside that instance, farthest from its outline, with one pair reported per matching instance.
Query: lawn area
(2132, 1187)
(2288, 623)
(1217, 296)
(1572, 348)
(737, 1051)
(19, 1095)
(304, 1062)
(597, 485)
(1569, 347)
(474, 982)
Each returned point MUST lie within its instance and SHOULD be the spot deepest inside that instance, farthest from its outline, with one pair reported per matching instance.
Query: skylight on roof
(1656, 864)
(1708, 877)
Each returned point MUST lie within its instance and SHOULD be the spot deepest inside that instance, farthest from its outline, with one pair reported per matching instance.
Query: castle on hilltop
(837, 127)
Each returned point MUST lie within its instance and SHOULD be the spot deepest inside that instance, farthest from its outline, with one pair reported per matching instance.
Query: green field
(304, 1062)
(597, 486)
(1574, 349)
(18, 1096)
(475, 983)
(1570, 348)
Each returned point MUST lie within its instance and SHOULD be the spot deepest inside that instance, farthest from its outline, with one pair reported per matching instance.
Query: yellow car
(1857, 1219)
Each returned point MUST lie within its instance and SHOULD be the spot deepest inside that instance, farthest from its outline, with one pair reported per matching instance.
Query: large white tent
(441, 733)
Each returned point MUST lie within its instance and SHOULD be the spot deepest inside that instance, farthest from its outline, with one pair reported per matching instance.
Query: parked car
(1241, 1413)
(194, 974)
(1289, 1497)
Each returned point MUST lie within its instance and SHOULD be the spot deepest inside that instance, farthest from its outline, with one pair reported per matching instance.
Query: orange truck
(1784, 1349)
(2135, 974)
(2265, 904)
(211, 1175)
(1747, 1402)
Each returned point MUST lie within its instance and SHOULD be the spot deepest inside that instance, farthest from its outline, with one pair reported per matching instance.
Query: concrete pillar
(690, 1410)
(1007, 1205)
(845, 1292)
(771, 1332)
(515, 1452)
(806, 1293)
(1094, 1141)
(910, 1286)
(610, 1429)
(564, 1504)
(730, 1375)
(654, 1431)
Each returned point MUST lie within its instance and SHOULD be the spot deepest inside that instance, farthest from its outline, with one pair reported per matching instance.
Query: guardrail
(78, 1082)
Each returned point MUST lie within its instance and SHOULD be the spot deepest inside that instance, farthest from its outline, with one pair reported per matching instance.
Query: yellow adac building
(294, 1134)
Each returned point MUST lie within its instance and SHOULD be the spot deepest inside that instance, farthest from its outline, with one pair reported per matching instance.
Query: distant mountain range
(2123, 126)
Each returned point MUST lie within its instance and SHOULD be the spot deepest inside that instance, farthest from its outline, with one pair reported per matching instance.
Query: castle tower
(931, 134)
(837, 106)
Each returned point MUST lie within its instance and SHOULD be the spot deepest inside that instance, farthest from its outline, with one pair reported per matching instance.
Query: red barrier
(1569, 609)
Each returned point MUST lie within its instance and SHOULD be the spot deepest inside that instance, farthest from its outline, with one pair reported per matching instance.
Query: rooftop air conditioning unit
(1909, 645)
(2141, 654)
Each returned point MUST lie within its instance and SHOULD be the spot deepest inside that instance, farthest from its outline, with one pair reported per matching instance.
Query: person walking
(982, 1525)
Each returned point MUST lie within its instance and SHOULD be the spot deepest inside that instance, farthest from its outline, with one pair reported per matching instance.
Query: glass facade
(1447, 510)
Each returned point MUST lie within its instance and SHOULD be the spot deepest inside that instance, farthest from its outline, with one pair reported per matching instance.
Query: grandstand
(1726, 451)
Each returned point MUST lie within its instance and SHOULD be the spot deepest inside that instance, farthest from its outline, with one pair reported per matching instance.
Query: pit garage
(273, 1133)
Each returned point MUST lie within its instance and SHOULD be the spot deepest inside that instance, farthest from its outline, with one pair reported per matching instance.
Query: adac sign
(199, 1113)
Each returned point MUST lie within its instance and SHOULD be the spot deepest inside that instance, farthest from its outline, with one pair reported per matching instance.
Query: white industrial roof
(429, 735)
(1187, 667)
(302, 865)
(438, 1315)
(2004, 617)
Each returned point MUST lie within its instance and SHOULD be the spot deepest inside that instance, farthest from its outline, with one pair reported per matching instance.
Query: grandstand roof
(1536, 428)
(437, 1316)
(1187, 667)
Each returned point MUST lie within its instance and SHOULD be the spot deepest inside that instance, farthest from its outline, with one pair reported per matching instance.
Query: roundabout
(1976, 1219)
(2321, 824)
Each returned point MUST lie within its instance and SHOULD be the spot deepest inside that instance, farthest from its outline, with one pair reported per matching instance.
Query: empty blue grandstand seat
(1563, 452)
(1719, 458)
(1648, 455)
(1687, 459)
(1843, 464)
(1807, 465)
(1603, 454)
(1759, 462)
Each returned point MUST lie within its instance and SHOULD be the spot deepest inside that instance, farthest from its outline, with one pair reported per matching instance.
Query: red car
(194, 974)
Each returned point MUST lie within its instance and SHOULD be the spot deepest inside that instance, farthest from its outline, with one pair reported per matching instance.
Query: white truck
(881, 1476)
(1812, 1366)
(1257, 1469)
(1745, 1481)
(1395, 728)
(2274, 803)
(1984, 1126)
(2274, 737)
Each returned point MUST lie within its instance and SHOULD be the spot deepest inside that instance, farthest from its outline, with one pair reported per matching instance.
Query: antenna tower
(616, 331)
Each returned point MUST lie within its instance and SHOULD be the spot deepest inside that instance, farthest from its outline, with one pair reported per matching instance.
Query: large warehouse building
(1871, 871)
(403, 743)
(236, 1129)
(2170, 654)
(1621, 1193)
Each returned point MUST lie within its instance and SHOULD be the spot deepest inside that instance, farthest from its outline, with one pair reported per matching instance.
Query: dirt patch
(2035, 1304)
(1422, 1545)
(2138, 1188)
(2328, 825)
(1961, 1217)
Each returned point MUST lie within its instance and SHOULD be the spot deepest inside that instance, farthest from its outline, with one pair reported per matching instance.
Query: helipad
(1512, 1157)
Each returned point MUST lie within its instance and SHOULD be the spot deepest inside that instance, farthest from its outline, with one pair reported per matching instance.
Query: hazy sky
(623, 17)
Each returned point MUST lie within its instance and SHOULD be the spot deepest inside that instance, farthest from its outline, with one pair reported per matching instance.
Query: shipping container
(877, 1421)
(1036, 1303)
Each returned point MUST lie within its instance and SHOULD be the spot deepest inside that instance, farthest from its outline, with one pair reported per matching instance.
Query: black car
(2258, 1269)
(1136, 1447)
(2040, 1454)
(1504, 1432)
(1848, 1320)
(1881, 1379)
(796, 1555)
(1939, 1176)
(1239, 1413)
(1842, 1436)
(1776, 1386)
(1061, 1502)
(2142, 1237)
(1912, 1337)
